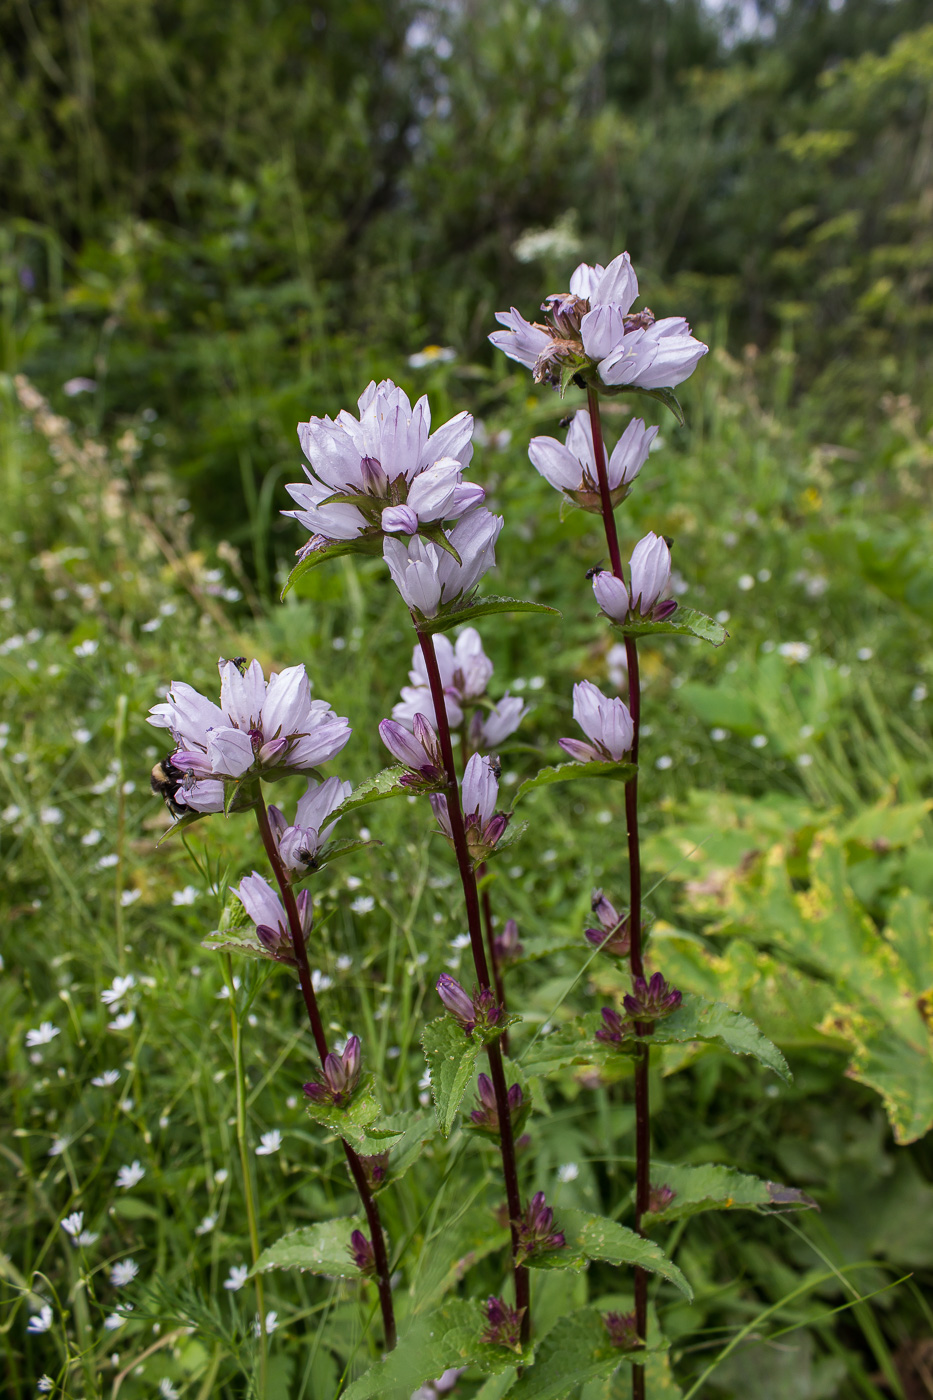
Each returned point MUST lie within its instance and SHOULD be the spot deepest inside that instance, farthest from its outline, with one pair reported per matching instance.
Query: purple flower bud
(399, 520)
(456, 1001)
(340, 1074)
(605, 721)
(274, 939)
(375, 1167)
(506, 945)
(614, 1030)
(614, 934)
(623, 1330)
(486, 1115)
(419, 750)
(305, 911)
(504, 1325)
(535, 1232)
(605, 911)
(650, 1001)
(659, 1198)
(362, 1253)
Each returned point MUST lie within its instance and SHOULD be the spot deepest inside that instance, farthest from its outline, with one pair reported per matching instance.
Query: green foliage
(316, 1249)
(686, 622)
(699, 1020)
(712, 1187)
(567, 772)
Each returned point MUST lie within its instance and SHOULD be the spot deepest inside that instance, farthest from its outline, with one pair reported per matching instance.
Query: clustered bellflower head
(465, 672)
(260, 729)
(593, 335)
(340, 1074)
(572, 468)
(485, 1116)
(623, 1330)
(429, 577)
(419, 749)
(650, 574)
(479, 792)
(503, 1325)
(299, 845)
(614, 1031)
(650, 1001)
(536, 1234)
(476, 1012)
(385, 473)
(605, 722)
(267, 912)
(614, 934)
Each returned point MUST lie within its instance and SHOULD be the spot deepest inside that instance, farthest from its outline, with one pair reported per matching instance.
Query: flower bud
(535, 1229)
(362, 1253)
(486, 1115)
(456, 1001)
(650, 1001)
(375, 1168)
(614, 934)
(623, 1330)
(614, 1030)
(340, 1074)
(660, 1197)
(506, 945)
(504, 1325)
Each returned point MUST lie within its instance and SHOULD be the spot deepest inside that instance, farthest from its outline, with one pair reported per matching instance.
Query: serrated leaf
(572, 1044)
(233, 942)
(365, 544)
(713, 1021)
(577, 1349)
(356, 1122)
(451, 1057)
(566, 772)
(686, 622)
(315, 1249)
(437, 535)
(513, 833)
(482, 607)
(713, 1187)
(595, 1237)
(375, 789)
(415, 1130)
(335, 850)
(437, 1342)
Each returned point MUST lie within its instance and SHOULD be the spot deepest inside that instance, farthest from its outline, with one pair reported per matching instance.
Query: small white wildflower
(746, 582)
(236, 1278)
(344, 963)
(568, 1172)
(865, 653)
(81, 735)
(919, 693)
(186, 896)
(365, 904)
(59, 1145)
(11, 813)
(432, 355)
(462, 940)
(42, 1034)
(272, 1322)
(665, 761)
(353, 882)
(44, 1384)
(320, 981)
(41, 1321)
(167, 1390)
(51, 816)
(717, 735)
(129, 897)
(804, 760)
(87, 648)
(759, 741)
(92, 837)
(795, 651)
(221, 1176)
(117, 989)
(87, 1238)
(206, 1225)
(123, 1272)
(73, 1224)
(115, 1320)
(723, 615)
(130, 1175)
(269, 1143)
(108, 862)
(122, 1022)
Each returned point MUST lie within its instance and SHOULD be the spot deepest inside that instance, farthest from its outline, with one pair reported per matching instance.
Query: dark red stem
(383, 1272)
(642, 1114)
(474, 923)
(486, 905)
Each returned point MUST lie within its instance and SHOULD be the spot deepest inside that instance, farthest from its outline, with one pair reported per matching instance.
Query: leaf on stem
(577, 1349)
(415, 1130)
(365, 544)
(566, 772)
(595, 1237)
(713, 1187)
(375, 789)
(699, 1019)
(686, 622)
(451, 1055)
(356, 1121)
(481, 608)
(437, 1341)
(179, 824)
(236, 933)
(316, 1249)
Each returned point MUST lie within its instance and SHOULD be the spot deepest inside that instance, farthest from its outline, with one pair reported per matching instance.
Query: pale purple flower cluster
(571, 467)
(479, 1010)
(465, 672)
(650, 578)
(384, 473)
(605, 722)
(592, 331)
(259, 728)
(479, 792)
(429, 577)
(300, 844)
(267, 912)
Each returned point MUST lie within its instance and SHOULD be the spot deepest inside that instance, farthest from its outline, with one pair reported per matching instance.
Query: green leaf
(572, 1044)
(236, 933)
(437, 535)
(436, 1342)
(365, 544)
(415, 1130)
(315, 1249)
(481, 608)
(451, 1057)
(356, 1122)
(712, 1187)
(459, 1243)
(594, 1237)
(699, 1019)
(334, 850)
(686, 622)
(513, 833)
(665, 396)
(566, 772)
(577, 1349)
(374, 789)
(180, 823)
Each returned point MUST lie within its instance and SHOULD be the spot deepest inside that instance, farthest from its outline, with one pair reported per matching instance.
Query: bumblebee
(164, 780)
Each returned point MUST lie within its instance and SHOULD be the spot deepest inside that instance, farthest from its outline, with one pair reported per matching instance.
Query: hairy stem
(486, 906)
(642, 1114)
(480, 963)
(320, 1039)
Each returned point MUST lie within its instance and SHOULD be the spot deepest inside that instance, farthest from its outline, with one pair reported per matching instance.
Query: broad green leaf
(665, 396)
(315, 1249)
(565, 772)
(686, 622)
(594, 1237)
(699, 1019)
(713, 1187)
(659, 1381)
(335, 850)
(572, 1044)
(356, 1122)
(577, 1349)
(415, 1130)
(451, 1055)
(482, 607)
(461, 1241)
(448, 1337)
(365, 544)
(375, 789)
(896, 1061)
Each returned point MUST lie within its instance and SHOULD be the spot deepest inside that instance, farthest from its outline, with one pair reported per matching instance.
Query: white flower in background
(118, 989)
(568, 1172)
(167, 1390)
(320, 982)
(465, 672)
(123, 1272)
(363, 904)
(129, 897)
(206, 1225)
(44, 1384)
(131, 1175)
(122, 1022)
(79, 385)
(432, 355)
(87, 1238)
(40, 1321)
(185, 896)
(59, 1145)
(73, 1224)
(606, 722)
(269, 1142)
(237, 1277)
(43, 1034)
(272, 1322)
(795, 651)
(117, 1319)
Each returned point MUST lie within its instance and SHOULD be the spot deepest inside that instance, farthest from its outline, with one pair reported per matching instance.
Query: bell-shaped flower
(465, 671)
(419, 749)
(660, 356)
(362, 1253)
(479, 792)
(650, 571)
(267, 912)
(605, 722)
(385, 472)
(259, 728)
(300, 844)
(488, 728)
(486, 1114)
(650, 1001)
(571, 468)
(521, 341)
(429, 578)
(507, 946)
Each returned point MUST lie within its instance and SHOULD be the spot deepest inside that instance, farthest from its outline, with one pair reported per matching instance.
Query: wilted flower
(429, 577)
(592, 334)
(506, 945)
(478, 794)
(340, 1074)
(605, 721)
(420, 751)
(486, 1115)
(650, 579)
(386, 473)
(650, 1001)
(362, 1253)
(572, 468)
(614, 1030)
(623, 1330)
(659, 1198)
(479, 1011)
(267, 912)
(535, 1230)
(299, 845)
(504, 1325)
(614, 934)
(259, 728)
